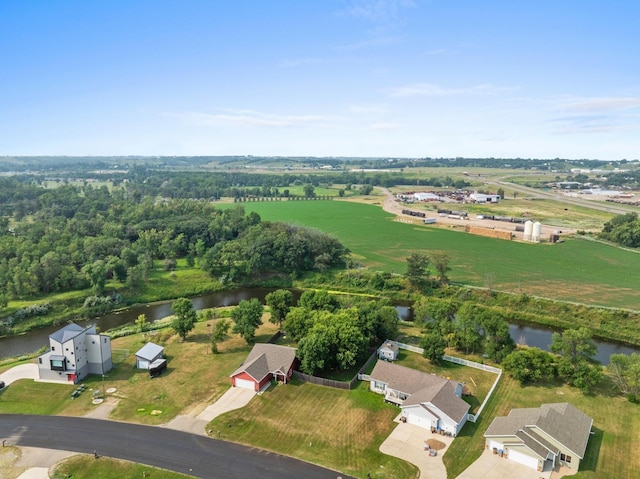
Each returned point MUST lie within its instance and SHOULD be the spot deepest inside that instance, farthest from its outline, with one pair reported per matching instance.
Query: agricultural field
(575, 270)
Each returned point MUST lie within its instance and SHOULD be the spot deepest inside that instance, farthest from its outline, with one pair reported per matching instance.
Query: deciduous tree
(184, 317)
(279, 302)
(247, 316)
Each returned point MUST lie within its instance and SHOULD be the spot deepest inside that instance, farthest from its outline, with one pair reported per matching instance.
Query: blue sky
(385, 78)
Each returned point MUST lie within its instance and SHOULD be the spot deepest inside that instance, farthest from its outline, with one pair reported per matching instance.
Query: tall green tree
(220, 330)
(279, 302)
(575, 364)
(247, 316)
(185, 317)
(417, 268)
(530, 365)
(434, 345)
(625, 372)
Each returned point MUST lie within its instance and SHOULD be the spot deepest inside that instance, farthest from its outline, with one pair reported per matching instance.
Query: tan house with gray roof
(265, 362)
(541, 438)
(426, 400)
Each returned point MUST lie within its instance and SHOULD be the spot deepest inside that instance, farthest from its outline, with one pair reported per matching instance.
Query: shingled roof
(562, 421)
(422, 388)
(267, 359)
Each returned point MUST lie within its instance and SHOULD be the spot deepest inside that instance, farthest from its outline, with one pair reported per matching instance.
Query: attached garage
(524, 459)
(245, 383)
(420, 416)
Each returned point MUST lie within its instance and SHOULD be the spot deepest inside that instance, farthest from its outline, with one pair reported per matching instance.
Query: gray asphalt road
(174, 450)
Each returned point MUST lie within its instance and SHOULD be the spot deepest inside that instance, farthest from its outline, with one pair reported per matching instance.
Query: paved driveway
(492, 466)
(24, 371)
(407, 442)
(234, 398)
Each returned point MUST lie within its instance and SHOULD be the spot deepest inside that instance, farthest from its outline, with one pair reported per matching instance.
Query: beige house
(541, 438)
(426, 400)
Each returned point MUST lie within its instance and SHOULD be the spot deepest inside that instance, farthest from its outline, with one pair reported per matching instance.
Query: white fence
(465, 362)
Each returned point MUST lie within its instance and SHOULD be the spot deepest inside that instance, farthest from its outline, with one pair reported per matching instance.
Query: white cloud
(383, 126)
(251, 118)
(603, 104)
(430, 89)
(378, 11)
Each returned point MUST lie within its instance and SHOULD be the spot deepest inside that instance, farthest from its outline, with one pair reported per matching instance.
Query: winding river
(30, 342)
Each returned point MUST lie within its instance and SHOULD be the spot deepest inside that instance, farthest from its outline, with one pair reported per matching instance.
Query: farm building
(426, 197)
(541, 438)
(265, 362)
(426, 400)
(75, 352)
(482, 198)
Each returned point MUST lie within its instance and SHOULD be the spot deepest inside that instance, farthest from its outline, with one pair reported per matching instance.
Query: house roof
(562, 421)
(390, 346)
(422, 388)
(70, 331)
(149, 351)
(267, 358)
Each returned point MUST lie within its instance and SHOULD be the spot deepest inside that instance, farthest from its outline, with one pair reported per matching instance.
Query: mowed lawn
(612, 450)
(335, 428)
(574, 270)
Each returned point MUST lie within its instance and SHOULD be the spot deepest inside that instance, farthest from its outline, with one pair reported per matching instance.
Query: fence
(332, 383)
(465, 362)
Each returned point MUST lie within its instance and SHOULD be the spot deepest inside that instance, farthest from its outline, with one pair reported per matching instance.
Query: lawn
(574, 270)
(26, 396)
(611, 452)
(82, 467)
(338, 429)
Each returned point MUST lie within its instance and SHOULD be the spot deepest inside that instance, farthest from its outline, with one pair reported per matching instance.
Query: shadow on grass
(590, 461)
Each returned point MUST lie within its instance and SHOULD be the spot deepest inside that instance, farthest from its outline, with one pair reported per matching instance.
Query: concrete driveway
(407, 442)
(24, 371)
(492, 466)
(234, 398)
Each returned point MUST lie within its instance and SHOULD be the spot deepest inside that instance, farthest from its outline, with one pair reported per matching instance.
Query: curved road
(177, 451)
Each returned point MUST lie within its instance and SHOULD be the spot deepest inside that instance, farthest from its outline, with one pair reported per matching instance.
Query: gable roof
(562, 421)
(391, 346)
(422, 388)
(70, 331)
(267, 359)
(149, 351)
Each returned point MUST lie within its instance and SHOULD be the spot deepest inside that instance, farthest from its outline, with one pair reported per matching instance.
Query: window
(565, 458)
(378, 385)
(105, 340)
(53, 348)
(568, 458)
(58, 365)
(40, 360)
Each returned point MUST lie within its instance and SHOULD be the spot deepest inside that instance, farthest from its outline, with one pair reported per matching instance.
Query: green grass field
(575, 270)
(86, 467)
(338, 429)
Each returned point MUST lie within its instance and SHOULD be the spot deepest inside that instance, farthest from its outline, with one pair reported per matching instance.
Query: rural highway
(177, 451)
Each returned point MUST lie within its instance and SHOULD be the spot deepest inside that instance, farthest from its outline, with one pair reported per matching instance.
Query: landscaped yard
(335, 428)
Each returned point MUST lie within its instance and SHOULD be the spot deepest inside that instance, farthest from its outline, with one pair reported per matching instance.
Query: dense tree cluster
(571, 360)
(467, 327)
(334, 334)
(73, 237)
(623, 230)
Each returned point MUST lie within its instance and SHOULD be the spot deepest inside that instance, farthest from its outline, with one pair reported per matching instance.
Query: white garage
(524, 459)
(245, 384)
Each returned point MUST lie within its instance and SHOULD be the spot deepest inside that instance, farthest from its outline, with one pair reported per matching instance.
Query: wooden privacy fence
(332, 383)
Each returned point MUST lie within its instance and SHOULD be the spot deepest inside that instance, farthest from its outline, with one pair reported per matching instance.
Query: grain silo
(535, 235)
(528, 230)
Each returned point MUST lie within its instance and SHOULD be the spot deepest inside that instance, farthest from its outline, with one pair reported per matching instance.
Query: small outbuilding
(147, 354)
(388, 351)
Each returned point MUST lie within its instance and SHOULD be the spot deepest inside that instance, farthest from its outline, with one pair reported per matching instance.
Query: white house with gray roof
(426, 400)
(147, 354)
(541, 438)
(75, 352)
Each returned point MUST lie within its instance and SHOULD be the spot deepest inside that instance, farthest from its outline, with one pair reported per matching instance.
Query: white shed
(148, 354)
(388, 351)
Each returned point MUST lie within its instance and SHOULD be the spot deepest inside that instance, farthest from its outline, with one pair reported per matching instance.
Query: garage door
(419, 421)
(523, 459)
(495, 445)
(142, 364)
(246, 384)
